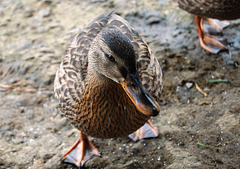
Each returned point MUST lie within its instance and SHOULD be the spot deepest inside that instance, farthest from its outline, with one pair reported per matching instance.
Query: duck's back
(217, 9)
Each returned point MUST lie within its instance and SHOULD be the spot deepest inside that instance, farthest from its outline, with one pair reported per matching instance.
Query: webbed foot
(215, 43)
(146, 131)
(81, 151)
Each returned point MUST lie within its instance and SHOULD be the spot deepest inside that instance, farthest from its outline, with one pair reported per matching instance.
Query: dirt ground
(196, 131)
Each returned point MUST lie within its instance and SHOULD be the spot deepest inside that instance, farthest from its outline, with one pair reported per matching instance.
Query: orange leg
(205, 38)
(81, 151)
(146, 131)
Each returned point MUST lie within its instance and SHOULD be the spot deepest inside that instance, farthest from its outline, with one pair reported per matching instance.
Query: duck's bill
(143, 101)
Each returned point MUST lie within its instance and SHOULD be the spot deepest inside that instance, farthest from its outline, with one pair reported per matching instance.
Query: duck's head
(112, 56)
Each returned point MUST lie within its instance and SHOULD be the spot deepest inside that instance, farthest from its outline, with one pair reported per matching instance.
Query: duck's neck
(100, 85)
(105, 105)
(97, 78)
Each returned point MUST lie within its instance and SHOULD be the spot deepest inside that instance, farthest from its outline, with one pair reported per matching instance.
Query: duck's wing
(70, 78)
(148, 66)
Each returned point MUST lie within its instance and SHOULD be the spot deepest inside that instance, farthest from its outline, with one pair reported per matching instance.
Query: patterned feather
(107, 111)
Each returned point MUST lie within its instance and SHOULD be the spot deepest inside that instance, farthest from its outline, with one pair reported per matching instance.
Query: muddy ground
(196, 131)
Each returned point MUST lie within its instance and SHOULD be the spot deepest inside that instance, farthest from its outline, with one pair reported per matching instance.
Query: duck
(212, 11)
(108, 85)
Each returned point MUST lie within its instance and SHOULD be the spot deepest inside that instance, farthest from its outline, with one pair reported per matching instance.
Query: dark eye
(110, 57)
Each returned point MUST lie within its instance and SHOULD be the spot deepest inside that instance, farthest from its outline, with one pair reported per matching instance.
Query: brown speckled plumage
(102, 108)
(217, 9)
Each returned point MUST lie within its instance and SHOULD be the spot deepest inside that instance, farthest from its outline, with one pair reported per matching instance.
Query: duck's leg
(205, 38)
(146, 131)
(81, 151)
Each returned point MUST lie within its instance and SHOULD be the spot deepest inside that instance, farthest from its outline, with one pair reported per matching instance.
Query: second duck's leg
(205, 38)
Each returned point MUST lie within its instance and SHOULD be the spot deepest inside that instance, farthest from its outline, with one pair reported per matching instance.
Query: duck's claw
(81, 151)
(146, 131)
(215, 44)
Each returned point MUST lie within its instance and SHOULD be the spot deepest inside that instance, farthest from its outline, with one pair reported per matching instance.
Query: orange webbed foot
(215, 44)
(81, 151)
(146, 131)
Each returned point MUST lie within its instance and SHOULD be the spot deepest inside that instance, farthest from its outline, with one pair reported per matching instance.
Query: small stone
(45, 12)
(137, 147)
(132, 165)
(28, 13)
(45, 154)
(55, 25)
(189, 85)
(46, 50)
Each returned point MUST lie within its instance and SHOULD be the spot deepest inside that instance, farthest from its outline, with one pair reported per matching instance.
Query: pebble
(45, 12)
(132, 165)
(152, 17)
(28, 13)
(46, 50)
(137, 147)
(189, 85)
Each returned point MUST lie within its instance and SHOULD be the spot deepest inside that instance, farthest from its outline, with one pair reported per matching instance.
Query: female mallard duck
(217, 9)
(108, 84)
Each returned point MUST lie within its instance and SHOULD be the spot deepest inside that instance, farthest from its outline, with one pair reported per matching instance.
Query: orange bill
(143, 101)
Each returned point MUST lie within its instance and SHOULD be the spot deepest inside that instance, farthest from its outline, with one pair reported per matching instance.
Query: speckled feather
(217, 9)
(98, 109)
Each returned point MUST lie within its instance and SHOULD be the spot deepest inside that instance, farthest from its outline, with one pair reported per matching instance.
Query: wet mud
(196, 131)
